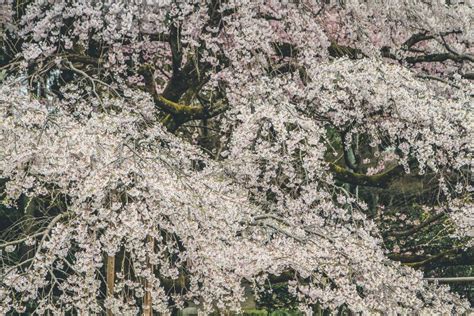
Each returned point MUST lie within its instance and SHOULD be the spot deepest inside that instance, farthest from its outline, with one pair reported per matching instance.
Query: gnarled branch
(380, 180)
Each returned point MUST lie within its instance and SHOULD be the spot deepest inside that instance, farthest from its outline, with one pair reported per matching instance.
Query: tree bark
(110, 279)
(147, 301)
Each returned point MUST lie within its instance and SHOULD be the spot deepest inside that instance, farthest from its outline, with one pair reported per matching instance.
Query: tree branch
(381, 180)
(336, 50)
(439, 58)
(452, 280)
(182, 111)
(469, 75)
(419, 37)
(176, 48)
(413, 230)
(419, 261)
(158, 37)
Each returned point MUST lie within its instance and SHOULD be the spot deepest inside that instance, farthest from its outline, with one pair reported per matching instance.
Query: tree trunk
(110, 279)
(147, 303)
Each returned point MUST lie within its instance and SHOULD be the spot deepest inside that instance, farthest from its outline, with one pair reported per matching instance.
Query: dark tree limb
(428, 222)
(452, 280)
(381, 180)
(181, 113)
(450, 257)
(439, 58)
(424, 36)
(176, 47)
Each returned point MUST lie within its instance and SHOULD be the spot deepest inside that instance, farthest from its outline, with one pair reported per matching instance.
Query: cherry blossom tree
(156, 154)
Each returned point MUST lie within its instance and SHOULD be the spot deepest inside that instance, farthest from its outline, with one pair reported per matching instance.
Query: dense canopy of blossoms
(187, 152)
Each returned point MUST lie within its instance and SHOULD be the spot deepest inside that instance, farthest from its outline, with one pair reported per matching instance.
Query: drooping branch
(428, 222)
(452, 280)
(84, 59)
(424, 36)
(469, 75)
(450, 257)
(381, 180)
(440, 57)
(435, 78)
(461, 257)
(336, 50)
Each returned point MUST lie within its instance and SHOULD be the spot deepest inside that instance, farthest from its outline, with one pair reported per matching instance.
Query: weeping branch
(415, 229)
(450, 257)
(452, 280)
(380, 180)
(439, 58)
(424, 36)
